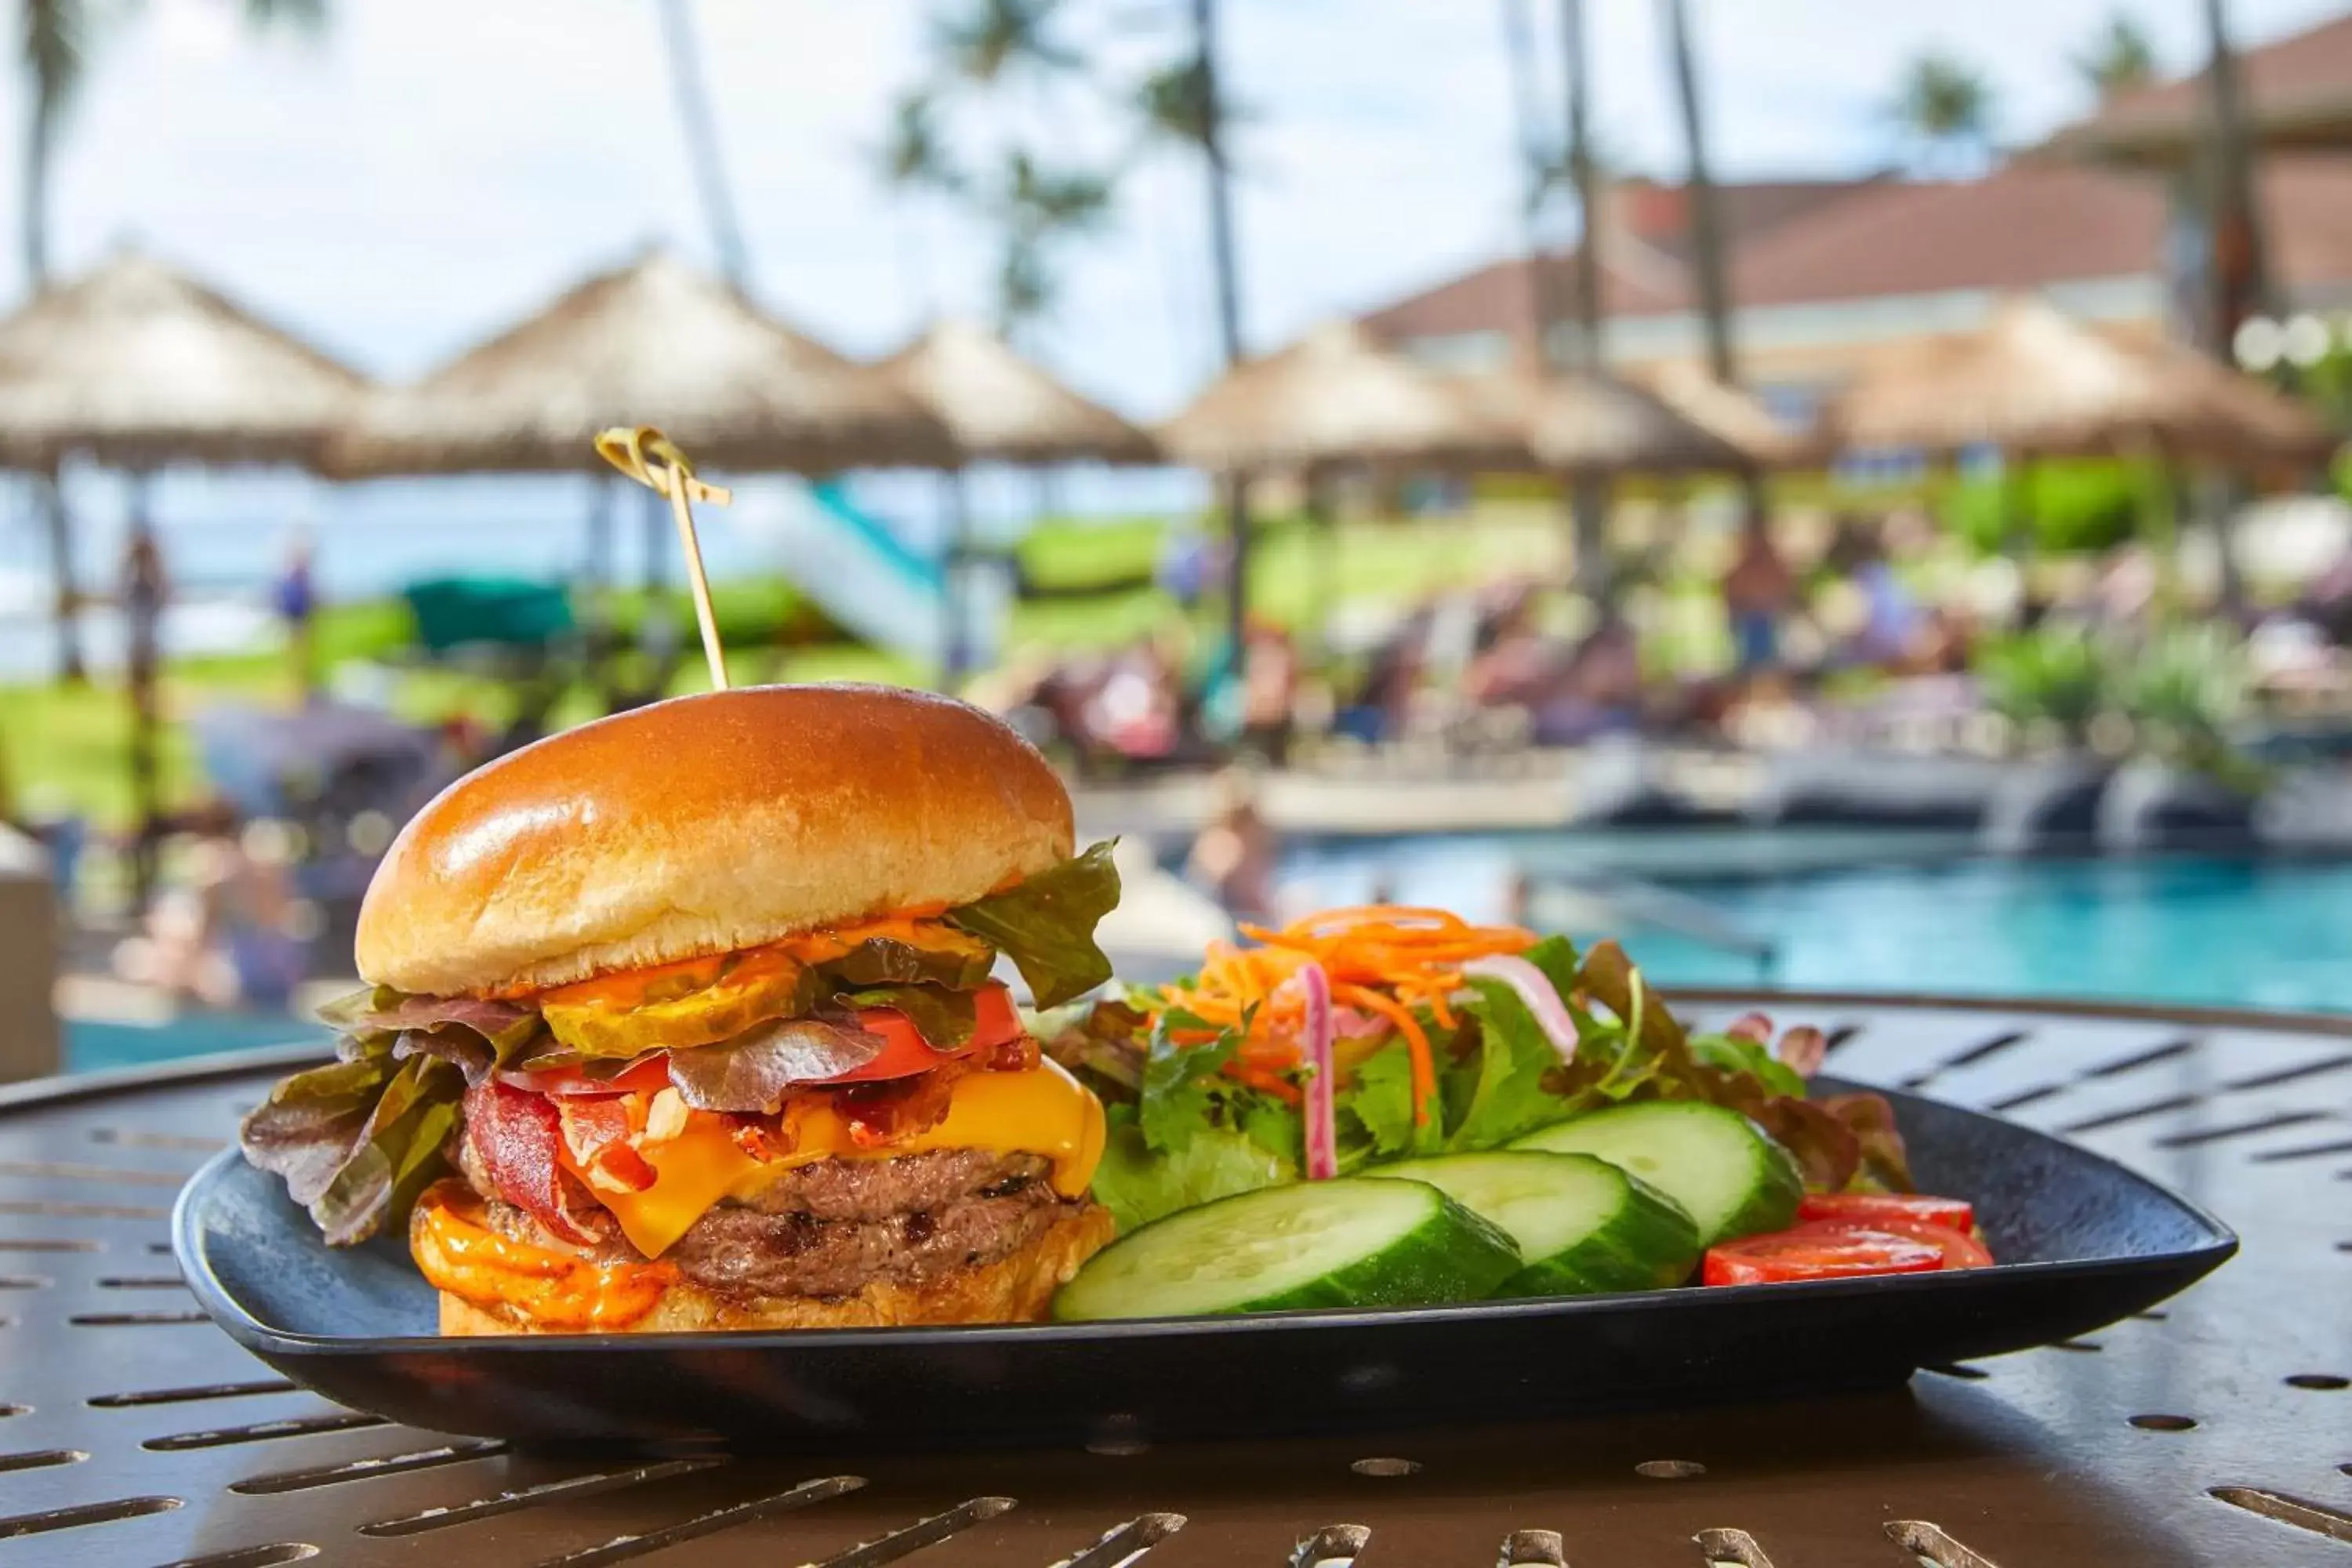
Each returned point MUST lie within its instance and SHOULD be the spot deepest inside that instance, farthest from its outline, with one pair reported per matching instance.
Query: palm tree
(55, 43)
(915, 154)
(1944, 105)
(998, 37)
(701, 129)
(2119, 57)
(1038, 209)
(1535, 170)
(1708, 260)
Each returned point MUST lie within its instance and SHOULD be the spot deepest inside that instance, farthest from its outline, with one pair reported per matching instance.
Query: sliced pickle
(749, 989)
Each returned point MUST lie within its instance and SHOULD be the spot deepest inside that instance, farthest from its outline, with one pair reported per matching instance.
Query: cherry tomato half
(1960, 1249)
(1821, 1250)
(905, 1052)
(1869, 1209)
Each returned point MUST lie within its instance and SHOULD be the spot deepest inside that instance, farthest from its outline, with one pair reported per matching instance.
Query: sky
(427, 170)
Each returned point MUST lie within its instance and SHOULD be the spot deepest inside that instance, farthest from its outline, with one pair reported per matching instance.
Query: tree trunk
(1708, 260)
(1518, 46)
(702, 140)
(1588, 493)
(39, 142)
(955, 600)
(1224, 254)
(1705, 220)
(2238, 267)
(1586, 172)
(67, 611)
(144, 594)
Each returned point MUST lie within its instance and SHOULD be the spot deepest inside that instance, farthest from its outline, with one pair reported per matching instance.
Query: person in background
(1269, 689)
(297, 606)
(1233, 858)
(1757, 591)
(1892, 626)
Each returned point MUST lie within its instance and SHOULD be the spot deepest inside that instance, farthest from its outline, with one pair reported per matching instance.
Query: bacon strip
(516, 1137)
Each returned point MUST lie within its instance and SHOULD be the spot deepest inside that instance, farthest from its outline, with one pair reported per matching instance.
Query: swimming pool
(2244, 933)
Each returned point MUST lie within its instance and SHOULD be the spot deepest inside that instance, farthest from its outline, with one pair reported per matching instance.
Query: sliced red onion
(1534, 990)
(1315, 1044)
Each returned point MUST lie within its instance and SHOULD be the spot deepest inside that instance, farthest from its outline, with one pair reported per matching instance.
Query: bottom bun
(1017, 1288)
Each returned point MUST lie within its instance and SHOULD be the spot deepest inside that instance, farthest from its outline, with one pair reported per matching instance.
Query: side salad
(1388, 1105)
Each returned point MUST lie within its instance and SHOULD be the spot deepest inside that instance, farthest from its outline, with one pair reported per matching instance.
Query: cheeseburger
(687, 1020)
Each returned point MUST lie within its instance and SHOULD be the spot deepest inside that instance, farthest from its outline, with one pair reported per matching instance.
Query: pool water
(2224, 932)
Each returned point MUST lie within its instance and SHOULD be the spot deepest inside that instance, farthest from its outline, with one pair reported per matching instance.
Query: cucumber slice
(1582, 1225)
(1720, 1166)
(1349, 1242)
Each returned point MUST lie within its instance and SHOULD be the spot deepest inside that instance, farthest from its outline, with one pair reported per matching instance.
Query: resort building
(1826, 274)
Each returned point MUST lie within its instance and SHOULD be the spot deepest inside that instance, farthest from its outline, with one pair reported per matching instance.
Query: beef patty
(832, 1227)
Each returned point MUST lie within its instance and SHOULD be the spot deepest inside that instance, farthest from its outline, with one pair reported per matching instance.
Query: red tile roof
(2300, 88)
(1497, 298)
(2023, 226)
(2019, 227)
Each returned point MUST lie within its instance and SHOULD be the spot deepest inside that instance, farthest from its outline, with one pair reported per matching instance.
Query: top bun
(704, 825)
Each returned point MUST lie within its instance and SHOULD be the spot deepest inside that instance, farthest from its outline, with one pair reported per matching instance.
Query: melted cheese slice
(1042, 1110)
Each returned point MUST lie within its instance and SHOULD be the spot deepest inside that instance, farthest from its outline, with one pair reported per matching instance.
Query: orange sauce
(917, 927)
(553, 1290)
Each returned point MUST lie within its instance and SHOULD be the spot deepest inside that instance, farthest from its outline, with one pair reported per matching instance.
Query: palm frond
(994, 38)
(305, 15)
(914, 154)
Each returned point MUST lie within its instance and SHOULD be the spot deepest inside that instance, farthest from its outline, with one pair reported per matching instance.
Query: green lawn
(64, 747)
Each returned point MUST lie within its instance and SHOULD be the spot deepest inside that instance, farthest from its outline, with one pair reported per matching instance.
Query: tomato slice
(1821, 1250)
(1960, 1249)
(1869, 1209)
(905, 1052)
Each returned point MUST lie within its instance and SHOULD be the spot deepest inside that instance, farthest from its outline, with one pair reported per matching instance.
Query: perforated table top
(2216, 1429)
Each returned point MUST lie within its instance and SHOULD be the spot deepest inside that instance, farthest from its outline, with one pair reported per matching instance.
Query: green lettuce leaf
(881, 961)
(1139, 1183)
(1738, 1054)
(1046, 925)
(1375, 1111)
(1184, 1087)
(1517, 1086)
(357, 1141)
(944, 1018)
(1186, 1094)
(1556, 958)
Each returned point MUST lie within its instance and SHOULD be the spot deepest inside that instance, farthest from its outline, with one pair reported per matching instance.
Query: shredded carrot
(1416, 1041)
(1393, 962)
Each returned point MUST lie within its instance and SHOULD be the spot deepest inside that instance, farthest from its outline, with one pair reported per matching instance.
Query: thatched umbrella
(2035, 382)
(136, 365)
(1733, 415)
(1591, 428)
(1337, 399)
(654, 342)
(1002, 408)
(1587, 424)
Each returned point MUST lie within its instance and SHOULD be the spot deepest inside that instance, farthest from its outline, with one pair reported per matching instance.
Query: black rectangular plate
(2083, 1241)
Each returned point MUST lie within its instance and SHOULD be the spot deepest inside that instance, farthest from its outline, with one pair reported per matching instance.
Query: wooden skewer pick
(654, 461)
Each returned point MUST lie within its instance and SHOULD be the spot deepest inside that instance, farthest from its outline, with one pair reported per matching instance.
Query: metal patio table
(2216, 1429)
